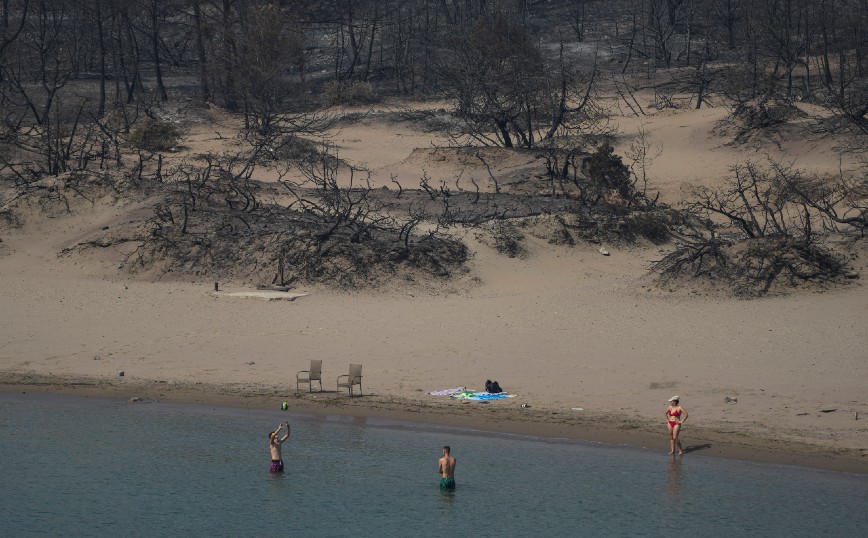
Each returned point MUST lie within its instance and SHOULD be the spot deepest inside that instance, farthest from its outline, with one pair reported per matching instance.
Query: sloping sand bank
(562, 328)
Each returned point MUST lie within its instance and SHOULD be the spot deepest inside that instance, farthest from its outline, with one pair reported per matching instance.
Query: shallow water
(88, 467)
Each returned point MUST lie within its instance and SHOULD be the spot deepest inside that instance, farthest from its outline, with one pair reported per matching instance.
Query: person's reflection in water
(673, 484)
(446, 497)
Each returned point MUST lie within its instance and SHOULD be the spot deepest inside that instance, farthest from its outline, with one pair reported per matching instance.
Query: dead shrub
(752, 117)
(505, 238)
(335, 92)
(294, 149)
(753, 267)
(154, 135)
(757, 234)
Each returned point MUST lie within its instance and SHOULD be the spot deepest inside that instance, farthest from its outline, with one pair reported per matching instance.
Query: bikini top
(672, 413)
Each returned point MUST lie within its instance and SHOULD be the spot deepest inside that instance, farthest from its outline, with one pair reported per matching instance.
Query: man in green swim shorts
(446, 470)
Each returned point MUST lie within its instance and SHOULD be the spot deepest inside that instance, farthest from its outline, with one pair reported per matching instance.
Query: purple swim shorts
(276, 466)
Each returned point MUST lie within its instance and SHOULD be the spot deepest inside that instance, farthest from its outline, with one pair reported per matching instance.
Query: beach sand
(587, 342)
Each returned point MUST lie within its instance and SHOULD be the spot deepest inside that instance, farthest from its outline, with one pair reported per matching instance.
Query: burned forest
(101, 100)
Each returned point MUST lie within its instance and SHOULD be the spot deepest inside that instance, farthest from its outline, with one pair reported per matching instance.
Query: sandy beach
(588, 345)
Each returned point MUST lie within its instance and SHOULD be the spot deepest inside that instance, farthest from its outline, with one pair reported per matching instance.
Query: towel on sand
(448, 392)
(481, 396)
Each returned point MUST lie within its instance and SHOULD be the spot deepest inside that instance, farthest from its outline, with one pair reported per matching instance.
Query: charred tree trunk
(200, 51)
(155, 42)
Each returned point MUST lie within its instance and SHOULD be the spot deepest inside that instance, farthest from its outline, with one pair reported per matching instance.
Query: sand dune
(563, 327)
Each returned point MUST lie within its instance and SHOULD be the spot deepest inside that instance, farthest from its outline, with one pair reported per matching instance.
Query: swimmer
(446, 470)
(274, 442)
(675, 416)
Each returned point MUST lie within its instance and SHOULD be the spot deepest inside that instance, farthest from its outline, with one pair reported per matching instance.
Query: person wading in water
(274, 442)
(446, 470)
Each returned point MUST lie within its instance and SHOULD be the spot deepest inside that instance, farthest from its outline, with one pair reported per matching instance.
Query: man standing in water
(274, 442)
(446, 470)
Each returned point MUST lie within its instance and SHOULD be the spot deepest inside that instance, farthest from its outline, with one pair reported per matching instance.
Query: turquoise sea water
(89, 467)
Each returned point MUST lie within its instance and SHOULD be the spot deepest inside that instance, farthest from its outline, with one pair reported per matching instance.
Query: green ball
(284, 406)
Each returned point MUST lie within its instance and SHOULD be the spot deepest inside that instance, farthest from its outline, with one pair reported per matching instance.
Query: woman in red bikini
(675, 417)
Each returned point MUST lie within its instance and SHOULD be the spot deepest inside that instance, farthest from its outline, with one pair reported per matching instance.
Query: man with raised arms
(274, 442)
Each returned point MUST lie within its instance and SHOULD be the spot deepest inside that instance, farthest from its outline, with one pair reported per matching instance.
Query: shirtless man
(274, 442)
(446, 470)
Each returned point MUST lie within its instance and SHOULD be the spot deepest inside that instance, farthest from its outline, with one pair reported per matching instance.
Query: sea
(74, 466)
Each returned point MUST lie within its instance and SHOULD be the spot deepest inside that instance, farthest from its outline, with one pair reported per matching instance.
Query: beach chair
(309, 376)
(354, 378)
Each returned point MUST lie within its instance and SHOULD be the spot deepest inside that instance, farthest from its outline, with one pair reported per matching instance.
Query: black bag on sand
(492, 387)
